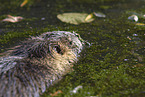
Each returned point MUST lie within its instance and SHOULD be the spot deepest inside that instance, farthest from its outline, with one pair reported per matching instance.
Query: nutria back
(28, 69)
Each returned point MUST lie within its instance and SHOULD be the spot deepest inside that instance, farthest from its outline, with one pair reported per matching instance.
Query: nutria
(28, 69)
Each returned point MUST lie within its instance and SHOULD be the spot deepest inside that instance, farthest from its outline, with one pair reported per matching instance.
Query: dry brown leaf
(12, 19)
(24, 3)
(56, 93)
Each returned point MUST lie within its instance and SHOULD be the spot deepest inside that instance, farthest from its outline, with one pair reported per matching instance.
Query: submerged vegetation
(114, 64)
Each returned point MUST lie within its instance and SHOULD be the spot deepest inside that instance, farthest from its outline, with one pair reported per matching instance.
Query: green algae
(110, 67)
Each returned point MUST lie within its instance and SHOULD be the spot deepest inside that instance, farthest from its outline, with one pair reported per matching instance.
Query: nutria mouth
(30, 68)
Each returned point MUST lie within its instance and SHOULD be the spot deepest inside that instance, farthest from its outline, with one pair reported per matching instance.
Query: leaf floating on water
(12, 19)
(56, 93)
(90, 16)
(140, 15)
(133, 18)
(75, 90)
(24, 3)
(99, 14)
(140, 24)
(74, 18)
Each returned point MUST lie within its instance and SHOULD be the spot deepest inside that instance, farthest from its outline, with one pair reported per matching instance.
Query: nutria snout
(28, 69)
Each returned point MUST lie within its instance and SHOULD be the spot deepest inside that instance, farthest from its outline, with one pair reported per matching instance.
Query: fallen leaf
(24, 3)
(90, 16)
(99, 14)
(133, 18)
(140, 24)
(140, 15)
(75, 90)
(12, 19)
(138, 65)
(56, 93)
(74, 18)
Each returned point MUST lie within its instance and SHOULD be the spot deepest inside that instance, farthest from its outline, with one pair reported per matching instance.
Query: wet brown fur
(30, 68)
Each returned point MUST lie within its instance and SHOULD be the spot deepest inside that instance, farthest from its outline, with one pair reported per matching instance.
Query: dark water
(42, 14)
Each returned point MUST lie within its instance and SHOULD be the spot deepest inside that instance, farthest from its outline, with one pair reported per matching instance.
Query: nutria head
(72, 40)
(60, 48)
(41, 46)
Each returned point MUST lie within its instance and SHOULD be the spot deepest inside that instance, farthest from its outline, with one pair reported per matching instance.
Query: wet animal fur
(30, 68)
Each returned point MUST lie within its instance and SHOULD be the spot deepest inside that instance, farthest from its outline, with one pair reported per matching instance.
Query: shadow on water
(112, 66)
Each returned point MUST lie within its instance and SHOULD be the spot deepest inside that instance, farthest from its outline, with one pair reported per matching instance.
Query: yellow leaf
(140, 24)
(74, 18)
(90, 16)
(24, 3)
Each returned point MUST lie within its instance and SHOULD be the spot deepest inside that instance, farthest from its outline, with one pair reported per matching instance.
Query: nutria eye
(57, 48)
(46, 35)
(70, 42)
